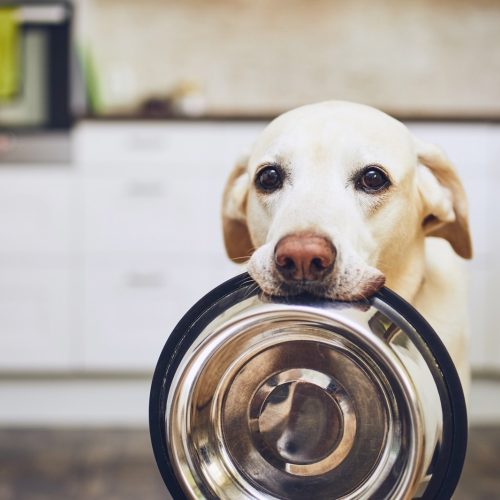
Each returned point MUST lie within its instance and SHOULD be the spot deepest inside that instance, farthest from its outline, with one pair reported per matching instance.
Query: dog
(337, 199)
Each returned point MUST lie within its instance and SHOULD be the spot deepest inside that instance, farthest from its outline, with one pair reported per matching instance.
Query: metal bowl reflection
(256, 397)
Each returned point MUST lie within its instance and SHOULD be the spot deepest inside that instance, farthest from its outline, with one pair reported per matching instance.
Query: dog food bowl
(256, 397)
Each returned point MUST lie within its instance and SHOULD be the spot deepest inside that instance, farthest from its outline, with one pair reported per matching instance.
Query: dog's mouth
(302, 287)
(368, 284)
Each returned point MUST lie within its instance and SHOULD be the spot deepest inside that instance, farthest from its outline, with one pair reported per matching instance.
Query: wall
(414, 58)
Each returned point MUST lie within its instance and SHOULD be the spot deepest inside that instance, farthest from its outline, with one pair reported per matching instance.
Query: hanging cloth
(9, 53)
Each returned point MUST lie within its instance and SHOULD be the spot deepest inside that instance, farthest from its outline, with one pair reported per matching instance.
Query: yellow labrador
(337, 199)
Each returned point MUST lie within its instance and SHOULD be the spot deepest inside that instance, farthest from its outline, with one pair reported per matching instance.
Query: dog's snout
(304, 257)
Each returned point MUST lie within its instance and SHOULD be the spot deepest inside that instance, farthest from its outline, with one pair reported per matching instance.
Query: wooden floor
(118, 465)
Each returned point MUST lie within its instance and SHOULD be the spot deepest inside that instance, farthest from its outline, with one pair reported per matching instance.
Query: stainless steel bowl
(258, 397)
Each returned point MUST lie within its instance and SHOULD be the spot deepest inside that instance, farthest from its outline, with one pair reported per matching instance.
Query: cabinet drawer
(36, 318)
(36, 212)
(112, 147)
(131, 306)
(122, 144)
(137, 215)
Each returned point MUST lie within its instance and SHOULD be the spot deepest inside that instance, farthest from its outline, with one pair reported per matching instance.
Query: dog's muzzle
(299, 398)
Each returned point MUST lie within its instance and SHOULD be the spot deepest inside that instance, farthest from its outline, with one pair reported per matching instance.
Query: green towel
(9, 53)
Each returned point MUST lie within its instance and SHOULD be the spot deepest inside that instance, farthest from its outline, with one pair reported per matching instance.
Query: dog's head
(335, 197)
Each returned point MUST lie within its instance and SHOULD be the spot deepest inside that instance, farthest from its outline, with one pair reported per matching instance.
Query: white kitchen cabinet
(127, 215)
(38, 326)
(37, 312)
(151, 190)
(153, 241)
(36, 210)
(152, 214)
(100, 260)
(131, 304)
(129, 308)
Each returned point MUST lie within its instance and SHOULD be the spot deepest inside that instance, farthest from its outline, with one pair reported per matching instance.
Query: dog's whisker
(252, 289)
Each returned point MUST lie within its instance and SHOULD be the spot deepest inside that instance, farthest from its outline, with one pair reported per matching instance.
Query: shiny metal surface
(302, 421)
(289, 400)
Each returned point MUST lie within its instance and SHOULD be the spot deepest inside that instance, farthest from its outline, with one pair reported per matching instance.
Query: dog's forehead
(344, 132)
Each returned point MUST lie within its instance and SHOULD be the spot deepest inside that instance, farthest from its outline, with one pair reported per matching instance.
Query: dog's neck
(407, 277)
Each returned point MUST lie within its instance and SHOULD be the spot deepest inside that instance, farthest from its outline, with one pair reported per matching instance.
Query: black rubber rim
(454, 443)
(455, 426)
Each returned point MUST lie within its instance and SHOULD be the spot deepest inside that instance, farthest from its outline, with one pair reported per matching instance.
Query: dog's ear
(445, 204)
(237, 239)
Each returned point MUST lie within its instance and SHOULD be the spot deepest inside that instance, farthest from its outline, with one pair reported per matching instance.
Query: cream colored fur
(413, 233)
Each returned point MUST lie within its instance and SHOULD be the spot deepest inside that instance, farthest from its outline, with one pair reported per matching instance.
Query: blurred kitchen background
(119, 122)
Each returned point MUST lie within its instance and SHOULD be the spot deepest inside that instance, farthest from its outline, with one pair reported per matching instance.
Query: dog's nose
(304, 257)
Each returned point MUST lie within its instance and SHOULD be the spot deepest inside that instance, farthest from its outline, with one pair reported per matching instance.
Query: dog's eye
(269, 178)
(372, 180)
